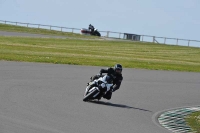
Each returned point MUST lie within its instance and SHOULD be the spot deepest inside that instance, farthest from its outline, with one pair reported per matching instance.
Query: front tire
(90, 95)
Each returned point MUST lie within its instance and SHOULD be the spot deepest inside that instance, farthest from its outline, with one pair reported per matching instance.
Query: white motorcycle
(98, 88)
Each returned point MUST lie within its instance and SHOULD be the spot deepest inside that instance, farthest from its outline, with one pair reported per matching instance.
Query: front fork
(89, 86)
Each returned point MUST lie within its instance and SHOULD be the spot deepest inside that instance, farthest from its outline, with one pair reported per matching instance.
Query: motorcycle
(88, 32)
(98, 88)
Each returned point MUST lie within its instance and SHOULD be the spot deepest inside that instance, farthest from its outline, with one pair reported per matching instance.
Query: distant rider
(91, 28)
(117, 72)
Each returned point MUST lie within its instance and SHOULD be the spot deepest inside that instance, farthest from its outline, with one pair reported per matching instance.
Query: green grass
(193, 121)
(100, 53)
(13, 28)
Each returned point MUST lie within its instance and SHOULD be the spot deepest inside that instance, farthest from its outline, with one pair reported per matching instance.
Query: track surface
(6, 33)
(15, 34)
(47, 98)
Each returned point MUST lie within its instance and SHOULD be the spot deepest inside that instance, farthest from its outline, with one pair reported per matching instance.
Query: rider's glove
(99, 74)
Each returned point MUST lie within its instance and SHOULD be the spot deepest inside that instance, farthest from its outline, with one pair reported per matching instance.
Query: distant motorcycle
(88, 32)
(98, 88)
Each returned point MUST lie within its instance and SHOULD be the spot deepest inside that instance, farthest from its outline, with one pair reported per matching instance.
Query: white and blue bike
(98, 88)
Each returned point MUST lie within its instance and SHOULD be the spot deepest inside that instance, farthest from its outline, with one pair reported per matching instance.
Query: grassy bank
(100, 53)
(193, 121)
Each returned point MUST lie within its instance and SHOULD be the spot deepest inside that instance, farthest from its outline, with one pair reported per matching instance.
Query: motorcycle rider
(91, 28)
(117, 72)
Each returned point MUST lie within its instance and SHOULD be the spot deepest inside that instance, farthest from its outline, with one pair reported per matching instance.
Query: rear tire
(90, 95)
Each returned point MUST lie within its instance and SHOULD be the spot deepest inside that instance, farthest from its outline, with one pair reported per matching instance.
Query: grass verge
(100, 53)
(193, 121)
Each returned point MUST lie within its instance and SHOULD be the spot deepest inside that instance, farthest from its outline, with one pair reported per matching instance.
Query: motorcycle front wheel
(90, 95)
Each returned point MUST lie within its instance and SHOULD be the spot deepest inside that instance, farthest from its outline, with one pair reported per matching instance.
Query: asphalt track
(17, 34)
(47, 98)
(6, 33)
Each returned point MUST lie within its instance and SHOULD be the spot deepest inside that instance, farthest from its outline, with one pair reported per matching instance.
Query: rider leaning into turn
(117, 72)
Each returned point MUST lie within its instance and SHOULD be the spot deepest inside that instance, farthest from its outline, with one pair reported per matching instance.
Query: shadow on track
(117, 105)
